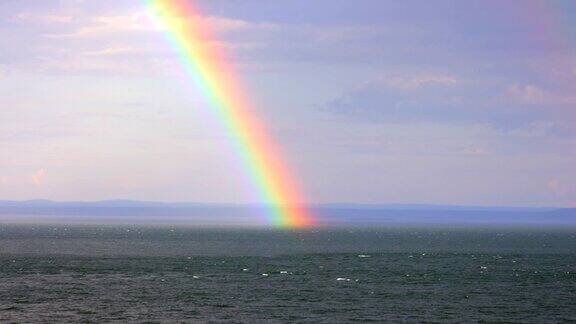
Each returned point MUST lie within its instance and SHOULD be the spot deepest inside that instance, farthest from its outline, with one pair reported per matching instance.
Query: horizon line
(344, 204)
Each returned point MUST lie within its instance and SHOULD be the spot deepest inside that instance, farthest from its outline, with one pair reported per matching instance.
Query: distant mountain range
(145, 212)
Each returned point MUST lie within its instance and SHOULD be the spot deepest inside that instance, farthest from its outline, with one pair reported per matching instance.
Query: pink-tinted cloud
(558, 187)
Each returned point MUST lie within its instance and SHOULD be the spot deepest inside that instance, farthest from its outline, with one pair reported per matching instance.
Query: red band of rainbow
(209, 69)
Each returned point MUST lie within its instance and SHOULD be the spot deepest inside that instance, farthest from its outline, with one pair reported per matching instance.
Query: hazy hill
(143, 212)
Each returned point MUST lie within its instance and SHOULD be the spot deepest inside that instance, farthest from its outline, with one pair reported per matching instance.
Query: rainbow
(210, 70)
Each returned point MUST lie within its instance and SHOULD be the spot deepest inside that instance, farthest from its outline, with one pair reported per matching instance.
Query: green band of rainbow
(208, 67)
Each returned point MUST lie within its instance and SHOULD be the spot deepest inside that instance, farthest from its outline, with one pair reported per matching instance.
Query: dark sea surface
(163, 274)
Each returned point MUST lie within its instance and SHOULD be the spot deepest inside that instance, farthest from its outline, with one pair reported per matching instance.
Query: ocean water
(163, 274)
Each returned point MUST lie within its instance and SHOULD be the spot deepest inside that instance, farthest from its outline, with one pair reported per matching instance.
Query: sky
(432, 102)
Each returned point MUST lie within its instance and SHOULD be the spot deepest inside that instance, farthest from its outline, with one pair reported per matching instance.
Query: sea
(105, 273)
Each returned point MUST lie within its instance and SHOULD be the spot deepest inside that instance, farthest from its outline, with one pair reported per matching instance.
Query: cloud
(414, 82)
(553, 185)
(140, 21)
(444, 98)
(86, 64)
(32, 17)
(118, 44)
(403, 97)
(526, 94)
(223, 24)
(475, 151)
(120, 39)
(38, 177)
(108, 25)
(560, 188)
(113, 51)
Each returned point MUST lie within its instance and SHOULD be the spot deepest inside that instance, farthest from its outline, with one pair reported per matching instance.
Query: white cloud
(101, 43)
(44, 18)
(111, 51)
(101, 26)
(223, 24)
(140, 21)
